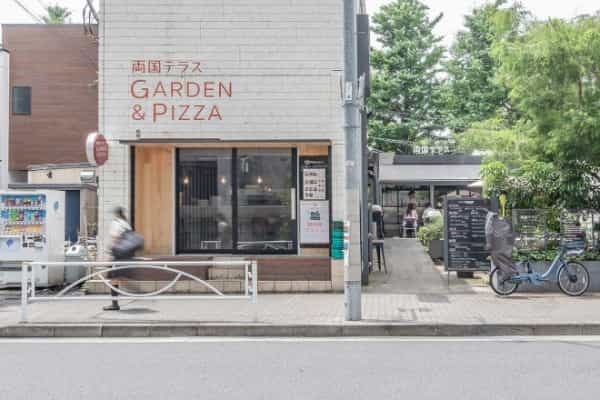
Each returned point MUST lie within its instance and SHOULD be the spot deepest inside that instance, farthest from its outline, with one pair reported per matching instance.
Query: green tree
(546, 155)
(553, 76)
(56, 15)
(405, 101)
(496, 140)
(540, 184)
(472, 94)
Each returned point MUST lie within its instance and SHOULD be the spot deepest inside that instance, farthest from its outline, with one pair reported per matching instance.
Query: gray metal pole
(363, 48)
(353, 270)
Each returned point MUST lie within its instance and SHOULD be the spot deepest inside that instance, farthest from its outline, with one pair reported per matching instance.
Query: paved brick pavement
(411, 271)
(482, 308)
(389, 300)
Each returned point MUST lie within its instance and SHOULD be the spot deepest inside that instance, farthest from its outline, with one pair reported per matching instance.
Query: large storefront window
(205, 206)
(265, 200)
(236, 200)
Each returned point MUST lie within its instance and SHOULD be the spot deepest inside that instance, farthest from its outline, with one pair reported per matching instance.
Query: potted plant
(432, 237)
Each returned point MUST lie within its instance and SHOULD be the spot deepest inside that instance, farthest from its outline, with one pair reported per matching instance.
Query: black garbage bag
(500, 240)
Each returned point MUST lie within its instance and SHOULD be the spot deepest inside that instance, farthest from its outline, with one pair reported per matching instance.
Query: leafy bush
(549, 254)
(545, 185)
(432, 231)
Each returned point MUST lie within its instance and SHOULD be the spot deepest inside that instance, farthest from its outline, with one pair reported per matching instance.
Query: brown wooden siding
(270, 268)
(294, 268)
(157, 275)
(60, 64)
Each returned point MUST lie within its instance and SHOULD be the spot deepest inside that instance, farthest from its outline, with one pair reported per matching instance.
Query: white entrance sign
(314, 222)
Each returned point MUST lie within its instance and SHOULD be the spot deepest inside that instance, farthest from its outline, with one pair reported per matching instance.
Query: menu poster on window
(314, 175)
(314, 184)
(314, 222)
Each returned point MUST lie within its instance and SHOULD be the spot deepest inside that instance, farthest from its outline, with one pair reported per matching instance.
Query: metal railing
(28, 289)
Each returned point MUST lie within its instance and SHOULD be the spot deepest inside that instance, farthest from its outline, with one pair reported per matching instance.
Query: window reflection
(264, 200)
(205, 210)
(243, 204)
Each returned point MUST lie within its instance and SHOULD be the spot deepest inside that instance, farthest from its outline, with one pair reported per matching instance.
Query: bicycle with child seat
(572, 277)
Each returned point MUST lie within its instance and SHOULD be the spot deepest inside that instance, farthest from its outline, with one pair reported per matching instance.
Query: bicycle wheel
(501, 283)
(573, 279)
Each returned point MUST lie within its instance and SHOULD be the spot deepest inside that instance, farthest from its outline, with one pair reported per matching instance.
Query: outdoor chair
(378, 241)
(379, 245)
(409, 228)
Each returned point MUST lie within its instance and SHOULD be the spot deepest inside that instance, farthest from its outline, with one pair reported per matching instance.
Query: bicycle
(572, 277)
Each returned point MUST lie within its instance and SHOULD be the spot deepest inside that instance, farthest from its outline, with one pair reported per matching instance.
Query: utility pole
(363, 48)
(353, 265)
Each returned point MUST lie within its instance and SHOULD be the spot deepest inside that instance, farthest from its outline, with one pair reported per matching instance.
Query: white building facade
(225, 125)
(4, 116)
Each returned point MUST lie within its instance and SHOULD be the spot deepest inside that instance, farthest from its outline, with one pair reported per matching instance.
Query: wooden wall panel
(154, 194)
(313, 150)
(60, 64)
(293, 268)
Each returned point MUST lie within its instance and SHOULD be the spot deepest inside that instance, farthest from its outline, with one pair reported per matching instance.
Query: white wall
(4, 115)
(58, 176)
(283, 58)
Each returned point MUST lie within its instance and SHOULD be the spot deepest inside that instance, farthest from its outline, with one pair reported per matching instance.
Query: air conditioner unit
(88, 177)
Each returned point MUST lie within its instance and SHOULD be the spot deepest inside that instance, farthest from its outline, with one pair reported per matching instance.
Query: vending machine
(32, 228)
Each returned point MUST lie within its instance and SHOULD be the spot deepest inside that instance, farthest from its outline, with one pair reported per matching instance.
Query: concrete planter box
(436, 249)
(540, 266)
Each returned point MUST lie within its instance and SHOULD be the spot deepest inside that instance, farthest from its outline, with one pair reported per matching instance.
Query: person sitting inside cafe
(430, 214)
(409, 221)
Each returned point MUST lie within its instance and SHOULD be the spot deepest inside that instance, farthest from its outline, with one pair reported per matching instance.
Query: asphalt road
(306, 369)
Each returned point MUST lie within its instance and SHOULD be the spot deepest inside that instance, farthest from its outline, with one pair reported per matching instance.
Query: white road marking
(141, 340)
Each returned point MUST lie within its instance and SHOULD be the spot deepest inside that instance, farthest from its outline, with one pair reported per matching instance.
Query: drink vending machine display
(32, 228)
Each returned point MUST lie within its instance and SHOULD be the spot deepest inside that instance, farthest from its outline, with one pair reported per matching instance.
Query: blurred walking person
(118, 227)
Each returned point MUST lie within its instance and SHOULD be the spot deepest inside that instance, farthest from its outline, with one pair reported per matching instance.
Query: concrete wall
(59, 175)
(4, 113)
(89, 212)
(282, 59)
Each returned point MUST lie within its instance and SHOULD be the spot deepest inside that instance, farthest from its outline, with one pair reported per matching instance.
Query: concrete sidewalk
(314, 315)
(413, 299)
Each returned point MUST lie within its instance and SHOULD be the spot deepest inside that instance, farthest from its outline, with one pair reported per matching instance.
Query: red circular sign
(100, 150)
(97, 149)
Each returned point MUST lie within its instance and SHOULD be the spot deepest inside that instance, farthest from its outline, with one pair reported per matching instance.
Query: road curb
(283, 330)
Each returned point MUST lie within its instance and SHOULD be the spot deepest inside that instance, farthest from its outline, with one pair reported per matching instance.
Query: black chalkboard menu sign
(464, 234)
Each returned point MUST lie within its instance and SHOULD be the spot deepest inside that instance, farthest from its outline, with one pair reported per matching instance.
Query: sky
(454, 10)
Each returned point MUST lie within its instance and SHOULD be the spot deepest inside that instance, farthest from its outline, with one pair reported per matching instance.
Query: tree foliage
(553, 76)
(544, 152)
(523, 93)
(56, 14)
(496, 140)
(472, 94)
(405, 101)
(539, 184)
